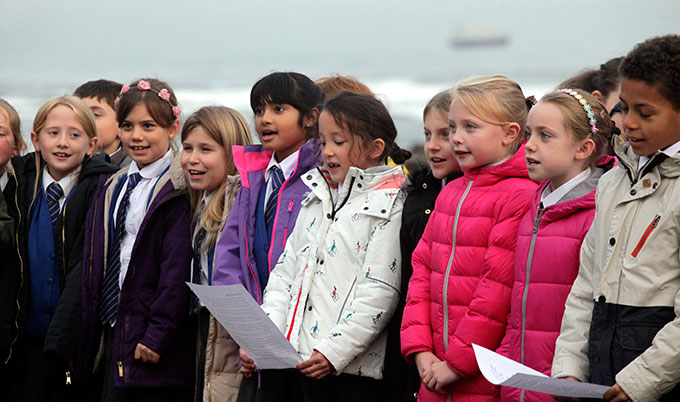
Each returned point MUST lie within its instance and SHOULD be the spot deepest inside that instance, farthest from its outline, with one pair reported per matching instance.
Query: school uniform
(149, 301)
(50, 236)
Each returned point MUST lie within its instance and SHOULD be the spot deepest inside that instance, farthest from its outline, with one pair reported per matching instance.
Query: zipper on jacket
(120, 369)
(342, 204)
(68, 378)
(449, 266)
(21, 269)
(525, 294)
(645, 235)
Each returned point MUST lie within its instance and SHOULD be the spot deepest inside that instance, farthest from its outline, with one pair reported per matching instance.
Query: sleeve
(227, 264)
(571, 347)
(277, 293)
(485, 319)
(170, 307)
(416, 325)
(375, 298)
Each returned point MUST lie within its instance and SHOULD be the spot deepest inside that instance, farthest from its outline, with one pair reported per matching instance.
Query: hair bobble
(530, 101)
(615, 130)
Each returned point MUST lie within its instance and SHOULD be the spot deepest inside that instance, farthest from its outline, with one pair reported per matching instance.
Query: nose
(136, 134)
(531, 143)
(432, 145)
(61, 140)
(327, 150)
(193, 157)
(266, 116)
(629, 122)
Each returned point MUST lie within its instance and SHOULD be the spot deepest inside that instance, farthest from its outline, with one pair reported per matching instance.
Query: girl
(11, 143)
(336, 284)
(56, 184)
(462, 267)
(603, 83)
(137, 257)
(286, 107)
(401, 379)
(568, 133)
(207, 137)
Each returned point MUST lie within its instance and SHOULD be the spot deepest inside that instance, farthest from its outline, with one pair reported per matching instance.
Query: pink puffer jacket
(467, 249)
(547, 257)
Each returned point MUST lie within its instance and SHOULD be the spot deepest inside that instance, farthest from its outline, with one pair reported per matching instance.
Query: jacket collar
(667, 166)
(515, 166)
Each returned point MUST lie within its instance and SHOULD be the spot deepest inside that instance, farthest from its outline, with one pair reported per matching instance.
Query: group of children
(536, 230)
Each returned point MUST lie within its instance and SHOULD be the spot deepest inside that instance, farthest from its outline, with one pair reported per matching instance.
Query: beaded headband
(145, 86)
(586, 106)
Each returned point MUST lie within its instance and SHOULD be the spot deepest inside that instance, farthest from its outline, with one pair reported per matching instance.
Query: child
(568, 132)
(286, 107)
(55, 187)
(137, 256)
(459, 293)
(207, 137)
(99, 95)
(336, 284)
(603, 83)
(335, 84)
(11, 143)
(401, 379)
(620, 324)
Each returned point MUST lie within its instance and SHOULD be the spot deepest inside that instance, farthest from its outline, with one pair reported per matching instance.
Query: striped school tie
(111, 290)
(277, 180)
(197, 268)
(54, 193)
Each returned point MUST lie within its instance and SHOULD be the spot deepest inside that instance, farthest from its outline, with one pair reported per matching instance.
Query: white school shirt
(287, 166)
(67, 182)
(137, 206)
(204, 253)
(670, 151)
(4, 179)
(549, 198)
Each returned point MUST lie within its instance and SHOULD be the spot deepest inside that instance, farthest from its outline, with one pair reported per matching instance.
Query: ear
(598, 95)
(92, 145)
(310, 118)
(511, 133)
(584, 150)
(34, 140)
(377, 148)
(174, 129)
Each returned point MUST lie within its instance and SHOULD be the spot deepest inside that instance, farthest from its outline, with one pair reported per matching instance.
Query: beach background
(213, 51)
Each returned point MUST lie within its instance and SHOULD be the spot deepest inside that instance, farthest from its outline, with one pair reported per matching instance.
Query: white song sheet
(500, 370)
(250, 327)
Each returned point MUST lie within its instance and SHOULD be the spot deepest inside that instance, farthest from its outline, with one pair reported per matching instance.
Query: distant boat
(479, 36)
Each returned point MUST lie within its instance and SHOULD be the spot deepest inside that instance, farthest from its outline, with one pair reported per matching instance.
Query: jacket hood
(668, 166)
(578, 198)
(515, 166)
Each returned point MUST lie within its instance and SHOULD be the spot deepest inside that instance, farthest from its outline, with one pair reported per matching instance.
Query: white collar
(287, 165)
(670, 151)
(66, 183)
(207, 196)
(154, 169)
(3, 180)
(549, 198)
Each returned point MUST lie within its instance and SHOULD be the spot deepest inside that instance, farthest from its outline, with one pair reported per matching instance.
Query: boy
(99, 95)
(621, 323)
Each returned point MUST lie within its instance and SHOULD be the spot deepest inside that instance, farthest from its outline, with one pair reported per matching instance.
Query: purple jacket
(154, 300)
(234, 259)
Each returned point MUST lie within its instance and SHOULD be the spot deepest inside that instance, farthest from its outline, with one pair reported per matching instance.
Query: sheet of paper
(250, 327)
(500, 370)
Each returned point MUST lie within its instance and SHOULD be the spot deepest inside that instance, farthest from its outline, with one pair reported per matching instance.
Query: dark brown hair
(99, 89)
(366, 117)
(605, 79)
(159, 109)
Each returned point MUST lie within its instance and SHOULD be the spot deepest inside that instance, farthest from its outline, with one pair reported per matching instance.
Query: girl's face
(437, 150)
(341, 149)
(551, 150)
(279, 129)
(62, 142)
(8, 146)
(203, 161)
(144, 139)
(476, 143)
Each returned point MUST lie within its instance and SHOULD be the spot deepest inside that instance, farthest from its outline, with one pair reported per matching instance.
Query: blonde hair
(576, 120)
(227, 127)
(14, 124)
(495, 99)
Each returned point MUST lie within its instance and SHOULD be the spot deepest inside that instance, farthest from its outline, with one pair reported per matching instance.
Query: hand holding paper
(500, 370)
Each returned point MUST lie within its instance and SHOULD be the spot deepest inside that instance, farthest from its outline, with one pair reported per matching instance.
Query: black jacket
(68, 247)
(401, 379)
(9, 268)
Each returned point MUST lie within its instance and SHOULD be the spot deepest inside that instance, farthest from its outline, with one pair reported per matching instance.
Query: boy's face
(650, 122)
(108, 131)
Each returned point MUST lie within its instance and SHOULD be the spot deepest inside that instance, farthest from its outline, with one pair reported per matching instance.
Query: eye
(126, 126)
(186, 147)
(452, 128)
(258, 111)
(53, 132)
(527, 134)
(428, 135)
(278, 109)
(340, 142)
(470, 126)
(445, 134)
(75, 135)
(206, 149)
(645, 115)
(148, 126)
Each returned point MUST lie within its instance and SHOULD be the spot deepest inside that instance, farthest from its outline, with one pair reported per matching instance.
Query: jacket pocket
(631, 340)
(646, 235)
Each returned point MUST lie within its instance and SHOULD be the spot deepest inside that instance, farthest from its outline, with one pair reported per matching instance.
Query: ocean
(212, 52)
